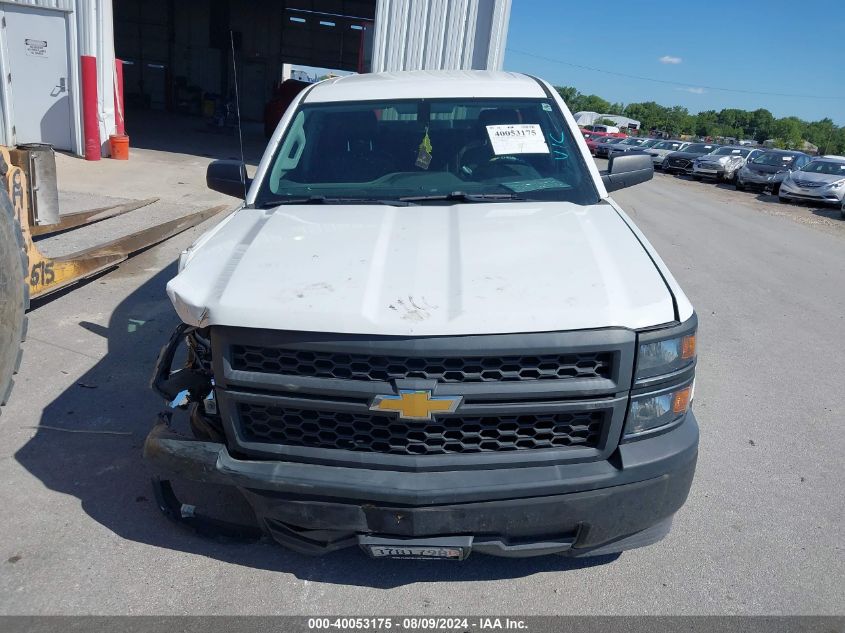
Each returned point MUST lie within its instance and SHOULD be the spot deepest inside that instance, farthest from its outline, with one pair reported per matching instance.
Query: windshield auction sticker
(520, 138)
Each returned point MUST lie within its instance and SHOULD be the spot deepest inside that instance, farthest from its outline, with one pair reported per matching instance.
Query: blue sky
(774, 46)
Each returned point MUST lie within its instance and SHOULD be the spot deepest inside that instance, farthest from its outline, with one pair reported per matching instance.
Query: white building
(589, 118)
(177, 54)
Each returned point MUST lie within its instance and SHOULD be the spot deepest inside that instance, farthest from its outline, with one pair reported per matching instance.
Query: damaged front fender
(192, 379)
(195, 460)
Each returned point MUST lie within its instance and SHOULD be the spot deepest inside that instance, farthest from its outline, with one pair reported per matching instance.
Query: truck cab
(430, 331)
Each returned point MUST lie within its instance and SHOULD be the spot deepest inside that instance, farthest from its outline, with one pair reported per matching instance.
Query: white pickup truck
(429, 331)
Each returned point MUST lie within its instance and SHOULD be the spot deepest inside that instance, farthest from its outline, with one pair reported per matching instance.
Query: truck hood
(422, 270)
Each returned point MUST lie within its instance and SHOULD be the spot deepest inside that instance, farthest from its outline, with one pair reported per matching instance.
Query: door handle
(62, 84)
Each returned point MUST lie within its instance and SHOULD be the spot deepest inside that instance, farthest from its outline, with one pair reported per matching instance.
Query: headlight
(659, 409)
(664, 378)
(838, 184)
(664, 353)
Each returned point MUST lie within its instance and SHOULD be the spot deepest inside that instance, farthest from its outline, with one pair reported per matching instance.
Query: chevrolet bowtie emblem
(416, 405)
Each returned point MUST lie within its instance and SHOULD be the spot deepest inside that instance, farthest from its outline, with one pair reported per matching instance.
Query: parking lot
(762, 532)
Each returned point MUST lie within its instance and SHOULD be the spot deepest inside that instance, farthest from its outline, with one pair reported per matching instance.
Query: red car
(595, 138)
(283, 94)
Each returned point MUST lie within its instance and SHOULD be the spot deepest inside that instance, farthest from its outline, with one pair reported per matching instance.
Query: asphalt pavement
(762, 531)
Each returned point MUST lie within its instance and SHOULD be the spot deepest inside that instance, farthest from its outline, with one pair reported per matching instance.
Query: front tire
(696, 177)
(738, 184)
(14, 296)
(783, 200)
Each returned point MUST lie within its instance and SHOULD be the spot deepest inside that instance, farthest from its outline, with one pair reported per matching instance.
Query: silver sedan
(662, 149)
(821, 180)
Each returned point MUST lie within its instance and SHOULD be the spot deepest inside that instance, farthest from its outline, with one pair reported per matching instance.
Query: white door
(36, 49)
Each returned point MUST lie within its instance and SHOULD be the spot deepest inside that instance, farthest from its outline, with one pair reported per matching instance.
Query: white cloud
(669, 59)
(694, 90)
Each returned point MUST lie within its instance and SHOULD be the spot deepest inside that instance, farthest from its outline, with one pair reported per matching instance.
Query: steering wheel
(506, 167)
(510, 159)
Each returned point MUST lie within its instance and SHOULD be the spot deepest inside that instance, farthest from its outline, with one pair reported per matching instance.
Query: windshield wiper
(325, 200)
(460, 196)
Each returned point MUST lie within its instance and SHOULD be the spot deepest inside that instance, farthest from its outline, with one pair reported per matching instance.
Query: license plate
(436, 548)
(414, 552)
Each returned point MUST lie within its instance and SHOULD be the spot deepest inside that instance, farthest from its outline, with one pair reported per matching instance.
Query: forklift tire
(14, 296)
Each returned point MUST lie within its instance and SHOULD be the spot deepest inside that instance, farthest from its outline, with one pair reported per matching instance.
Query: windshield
(774, 159)
(700, 148)
(650, 142)
(385, 151)
(633, 141)
(727, 151)
(825, 167)
(672, 145)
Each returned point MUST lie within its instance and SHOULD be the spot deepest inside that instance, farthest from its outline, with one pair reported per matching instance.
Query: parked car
(631, 144)
(594, 141)
(607, 129)
(662, 149)
(402, 404)
(620, 134)
(768, 170)
(820, 180)
(681, 162)
(594, 135)
(723, 163)
(602, 149)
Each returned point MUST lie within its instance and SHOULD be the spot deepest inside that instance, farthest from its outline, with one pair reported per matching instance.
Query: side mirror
(228, 176)
(627, 170)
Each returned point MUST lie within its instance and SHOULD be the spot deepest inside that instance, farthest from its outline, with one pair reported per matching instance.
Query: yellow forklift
(29, 209)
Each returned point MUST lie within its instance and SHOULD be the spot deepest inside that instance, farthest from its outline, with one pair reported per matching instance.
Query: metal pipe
(119, 117)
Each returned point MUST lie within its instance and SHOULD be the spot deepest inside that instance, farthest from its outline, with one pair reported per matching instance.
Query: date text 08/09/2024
(416, 624)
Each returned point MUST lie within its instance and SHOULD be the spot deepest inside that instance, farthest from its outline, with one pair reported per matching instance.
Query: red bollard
(91, 127)
(119, 112)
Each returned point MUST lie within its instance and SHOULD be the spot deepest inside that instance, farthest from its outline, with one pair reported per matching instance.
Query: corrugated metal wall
(440, 34)
(64, 5)
(90, 32)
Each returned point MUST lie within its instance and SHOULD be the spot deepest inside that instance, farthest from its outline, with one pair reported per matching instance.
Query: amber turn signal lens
(688, 346)
(680, 402)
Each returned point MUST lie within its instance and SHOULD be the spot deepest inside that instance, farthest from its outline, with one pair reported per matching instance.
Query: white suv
(430, 331)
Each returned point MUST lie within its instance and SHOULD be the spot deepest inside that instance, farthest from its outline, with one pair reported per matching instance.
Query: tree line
(760, 124)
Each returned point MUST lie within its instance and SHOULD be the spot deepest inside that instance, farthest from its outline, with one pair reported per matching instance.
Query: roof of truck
(432, 84)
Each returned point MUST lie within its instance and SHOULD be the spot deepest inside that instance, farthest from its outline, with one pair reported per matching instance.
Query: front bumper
(680, 167)
(759, 179)
(821, 194)
(708, 171)
(578, 509)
